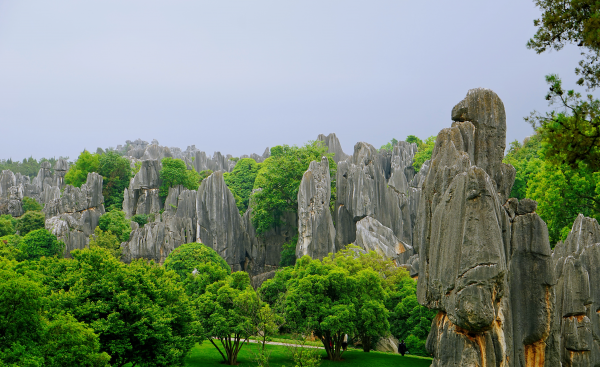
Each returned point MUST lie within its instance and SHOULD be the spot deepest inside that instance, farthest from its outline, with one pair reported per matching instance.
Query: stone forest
(497, 287)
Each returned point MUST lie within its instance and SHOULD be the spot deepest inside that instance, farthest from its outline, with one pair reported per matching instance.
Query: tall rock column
(219, 224)
(577, 263)
(316, 234)
(486, 268)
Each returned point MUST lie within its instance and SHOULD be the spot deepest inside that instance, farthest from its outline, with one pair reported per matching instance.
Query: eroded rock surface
(372, 235)
(316, 234)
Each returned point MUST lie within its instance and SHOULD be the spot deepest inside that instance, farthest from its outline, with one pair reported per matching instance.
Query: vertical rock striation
(316, 234)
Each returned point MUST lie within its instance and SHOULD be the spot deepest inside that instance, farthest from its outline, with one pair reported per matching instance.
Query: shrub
(30, 204)
(31, 221)
(40, 242)
(115, 222)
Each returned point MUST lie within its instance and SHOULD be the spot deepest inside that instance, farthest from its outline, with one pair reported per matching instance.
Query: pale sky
(238, 76)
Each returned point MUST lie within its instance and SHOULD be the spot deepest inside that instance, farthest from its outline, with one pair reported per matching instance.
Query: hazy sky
(238, 76)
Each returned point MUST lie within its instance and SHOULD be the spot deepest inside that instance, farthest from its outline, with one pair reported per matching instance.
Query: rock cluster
(43, 188)
(485, 263)
(73, 216)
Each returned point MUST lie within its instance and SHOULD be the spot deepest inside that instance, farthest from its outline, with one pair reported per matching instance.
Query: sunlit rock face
(485, 262)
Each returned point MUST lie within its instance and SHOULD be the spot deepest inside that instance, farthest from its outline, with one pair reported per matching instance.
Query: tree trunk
(366, 344)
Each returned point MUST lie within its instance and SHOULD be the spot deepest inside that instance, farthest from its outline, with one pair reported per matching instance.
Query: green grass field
(206, 355)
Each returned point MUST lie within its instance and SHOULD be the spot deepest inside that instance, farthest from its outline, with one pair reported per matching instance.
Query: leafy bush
(30, 204)
(116, 173)
(40, 242)
(241, 181)
(115, 222)
(187, 257)
(424, 153)
(140, 219)
(204, 174)
(389, 146)
(6, 227)
(86, 163)
(9, 247)
(279, 178)
(106, 240)
(173, 173)
(288, 252)
(31, 221)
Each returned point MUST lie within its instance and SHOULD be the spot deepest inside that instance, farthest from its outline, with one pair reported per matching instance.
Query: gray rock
(363, 190)
(316, 234)
(333, 146)
(219, 221)
(141, 197)
(258, 280)
(387, 344)
(372, 235)
(526, 206)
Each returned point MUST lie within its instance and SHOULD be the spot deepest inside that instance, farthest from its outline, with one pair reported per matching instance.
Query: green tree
(526, 158)
(198, 266)
(241, 181)
(571, 136)
(115, 222)
(6, 227)
(106, 240)
(279, 180)
(288, 252)
(571, 22)
(40, 242)
(116, 173)
(424, 152)
(21, 321)
(226, 311)
(562, 193)
(140, 311)
(86, 163)
(204, 174)
(332, 299)
(31, 221)
(30, 204)
(141, 219)
(173, 173)
(10, 247)
(389, 146)
(414, 139)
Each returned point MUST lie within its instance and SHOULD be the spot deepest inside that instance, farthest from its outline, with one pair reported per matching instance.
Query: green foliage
(571, 136)
(86, 163)
(115, 222)
(28, 167)
(174, 173)
(349, 299)
(139, 311)
(425, 150)
(106, 240)
(288, 252)
(140, 219)
(40, 242)
(31, 221)
(204, 174)
(571, 21)
(241, 182)
(6, 227)
(226, 313)
(136, 167)
(563, 192)
(10, 247)
(273, 291)
(116, 173)
(279, 178)
(526, 158)
(389, 146)
(30, 204)
(413, 139)
(187, 257)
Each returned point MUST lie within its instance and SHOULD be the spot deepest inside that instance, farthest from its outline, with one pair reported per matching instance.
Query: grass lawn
(207, 355)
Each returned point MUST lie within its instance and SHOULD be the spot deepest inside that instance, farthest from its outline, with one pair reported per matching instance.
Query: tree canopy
(85, 163)
(571, 22)
(424, 152)
(173, 173)
(241, 182)
(279, 179)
